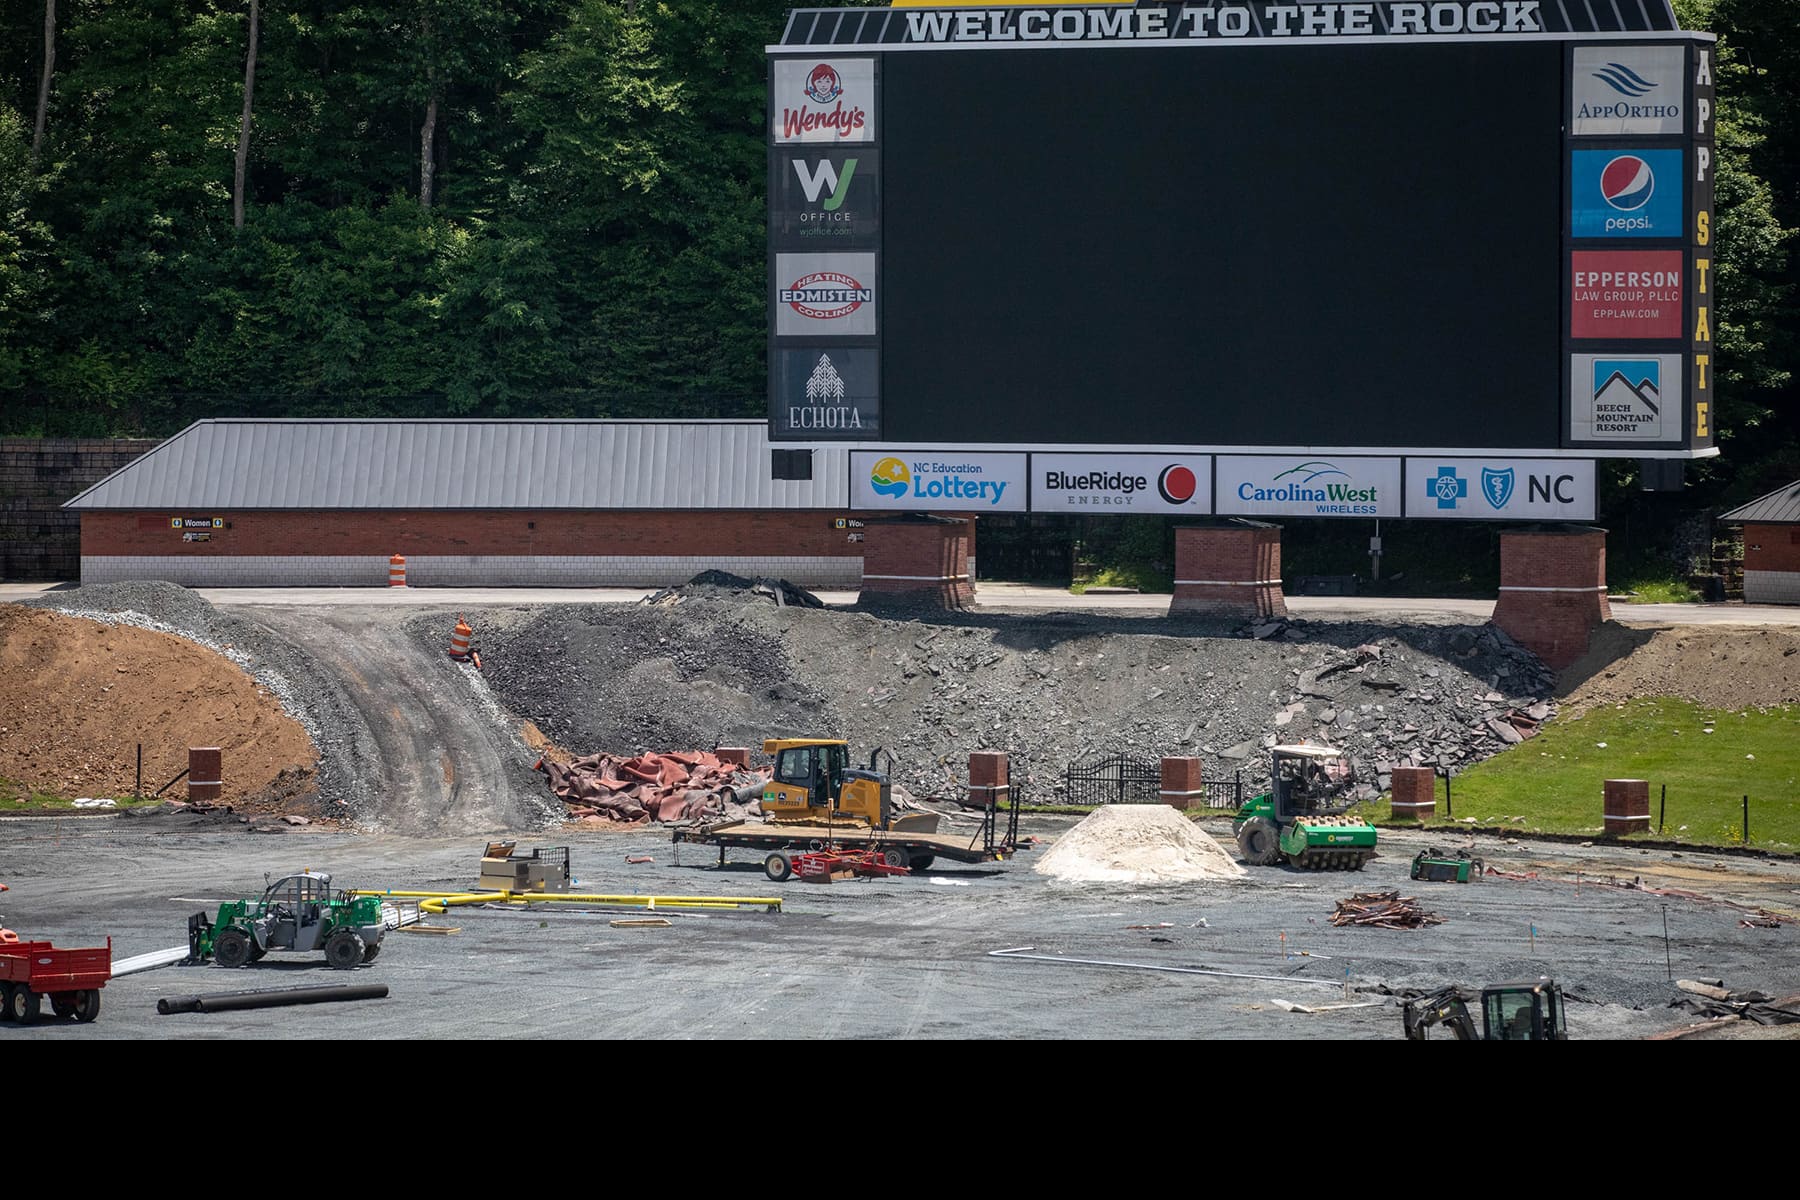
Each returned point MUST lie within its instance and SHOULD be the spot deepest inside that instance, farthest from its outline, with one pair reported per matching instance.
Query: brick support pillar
(205, 783)
(990, 777)
(920, 561)
(1414, 794)
(1181, 786)
(1626, 806)
(1228, 571)
(1553, 591)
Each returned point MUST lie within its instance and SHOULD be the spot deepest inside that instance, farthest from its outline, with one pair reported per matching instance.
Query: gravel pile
(1136, 843)
(347, 749)
(718, 669)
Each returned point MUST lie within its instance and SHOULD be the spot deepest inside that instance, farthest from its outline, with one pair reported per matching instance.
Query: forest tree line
(513, 208)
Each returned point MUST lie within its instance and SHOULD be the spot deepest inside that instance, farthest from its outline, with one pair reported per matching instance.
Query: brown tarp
(676, 786)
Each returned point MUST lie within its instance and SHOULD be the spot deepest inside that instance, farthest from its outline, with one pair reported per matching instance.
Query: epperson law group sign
(1317, 486)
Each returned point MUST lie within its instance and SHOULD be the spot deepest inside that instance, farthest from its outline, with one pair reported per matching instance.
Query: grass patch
(1651, 581)
(1554, 780)
(1144, 579)
(23, 797)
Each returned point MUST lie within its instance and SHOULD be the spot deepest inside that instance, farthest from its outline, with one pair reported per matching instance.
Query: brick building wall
(38, 539)
(1772, 564)
(553, 548)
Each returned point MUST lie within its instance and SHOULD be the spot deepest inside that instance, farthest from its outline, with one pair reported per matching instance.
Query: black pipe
(1662, 810)
(270, 998)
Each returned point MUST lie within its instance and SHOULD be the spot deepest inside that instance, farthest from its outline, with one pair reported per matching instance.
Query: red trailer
(72, 979)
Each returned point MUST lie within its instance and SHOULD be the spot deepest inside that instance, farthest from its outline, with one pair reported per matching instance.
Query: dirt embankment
(77, 696)
(1719, 666)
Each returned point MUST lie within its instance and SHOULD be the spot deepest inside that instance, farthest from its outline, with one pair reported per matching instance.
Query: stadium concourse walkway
(991, 595)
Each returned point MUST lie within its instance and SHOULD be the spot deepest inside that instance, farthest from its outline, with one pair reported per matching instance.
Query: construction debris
(678, 786)
(1383, 910)
(1756, 1007)
(642, 923)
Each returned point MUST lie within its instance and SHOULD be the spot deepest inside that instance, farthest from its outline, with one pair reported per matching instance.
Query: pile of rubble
(714, 584)
(678, 786)
(735, 668)
(1383, 910)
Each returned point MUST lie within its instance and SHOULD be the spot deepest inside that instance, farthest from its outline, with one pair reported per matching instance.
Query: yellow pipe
(438, 902)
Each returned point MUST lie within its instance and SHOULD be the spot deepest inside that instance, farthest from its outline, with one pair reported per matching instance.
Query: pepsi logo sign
(1627, 183)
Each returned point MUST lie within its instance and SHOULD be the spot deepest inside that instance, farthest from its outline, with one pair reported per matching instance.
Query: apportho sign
(1628, 90)
(1301, 486)
(1172, 484)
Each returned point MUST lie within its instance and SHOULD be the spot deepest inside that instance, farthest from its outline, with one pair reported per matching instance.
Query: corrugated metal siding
(235, 465)
(1781, 505)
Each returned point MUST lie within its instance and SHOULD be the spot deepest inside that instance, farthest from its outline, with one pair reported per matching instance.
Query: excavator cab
(1529, 1010)
(1526, 1010)
(815, 783)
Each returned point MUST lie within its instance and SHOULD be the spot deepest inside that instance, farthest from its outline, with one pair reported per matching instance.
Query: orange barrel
(459, 639)
(397, 571)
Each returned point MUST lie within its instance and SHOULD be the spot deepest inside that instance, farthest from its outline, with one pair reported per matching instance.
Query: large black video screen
(1333, 246)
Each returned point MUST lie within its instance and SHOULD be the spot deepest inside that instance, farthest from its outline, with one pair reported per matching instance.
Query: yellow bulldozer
(815, 784)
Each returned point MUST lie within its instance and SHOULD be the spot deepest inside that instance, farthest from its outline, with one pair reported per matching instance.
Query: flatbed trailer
(779, 841)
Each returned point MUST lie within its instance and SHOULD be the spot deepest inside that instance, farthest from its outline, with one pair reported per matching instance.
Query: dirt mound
(80, 695)
(1136, 843)
(1719, 666)
(732, 671)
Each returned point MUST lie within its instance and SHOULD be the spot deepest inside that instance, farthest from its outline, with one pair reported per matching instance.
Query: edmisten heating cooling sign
(1354, 233)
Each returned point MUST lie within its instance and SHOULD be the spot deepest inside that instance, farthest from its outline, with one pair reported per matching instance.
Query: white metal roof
(357, 464)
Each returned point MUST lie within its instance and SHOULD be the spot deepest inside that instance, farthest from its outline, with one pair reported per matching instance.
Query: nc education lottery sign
(923, 481)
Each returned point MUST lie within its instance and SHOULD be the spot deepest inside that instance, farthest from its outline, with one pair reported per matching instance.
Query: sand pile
(1136, 843)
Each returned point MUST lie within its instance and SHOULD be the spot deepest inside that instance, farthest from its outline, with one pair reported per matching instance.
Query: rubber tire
(923, 862)
(6, 990)
(256, 951)
(778, 867)
(369, 952)
(232, 947)
(24, 1004)
(63, 1003)
(87, 1005)
(344, 949)
(896, 856)
(1259, 841)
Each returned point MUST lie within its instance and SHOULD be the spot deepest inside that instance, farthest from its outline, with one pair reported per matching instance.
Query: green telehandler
(298, 912)
(1301, 817)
